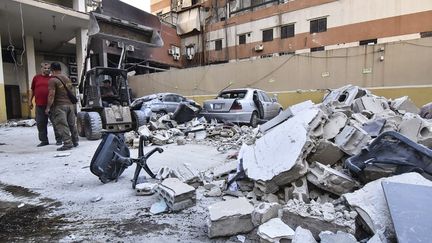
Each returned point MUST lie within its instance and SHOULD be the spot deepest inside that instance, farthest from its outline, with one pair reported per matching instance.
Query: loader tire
(138, 119)
(93, 126)
(81, 123)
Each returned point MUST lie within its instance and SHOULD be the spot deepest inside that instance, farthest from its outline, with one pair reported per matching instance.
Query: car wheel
(254, 119)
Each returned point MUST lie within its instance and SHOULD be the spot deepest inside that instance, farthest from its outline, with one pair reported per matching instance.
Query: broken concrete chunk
(280, 149)
(281, 117)
(177, 195)
(27, 123)
(339, 237)
(410, 126)
(230, 218)
(403, 105)
(316, 217)
(361, 119)
(264, 212)
(144, 131)
(298, 190)
(159, 139)
(343, 97)
(181, 141)
(275, 230)
(377, 238)
(375, 127)
(330, 179)
(352, 139)
(303, 236)
(326, 153)
(426, 111)
(144, 189)
(213, 192)
(335, 123)
(371, 205)
(299, 107)
(372, 104)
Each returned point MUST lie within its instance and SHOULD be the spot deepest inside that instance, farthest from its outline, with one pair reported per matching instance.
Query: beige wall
(405, 64)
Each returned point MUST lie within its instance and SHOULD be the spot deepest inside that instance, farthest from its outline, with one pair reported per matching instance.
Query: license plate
(217, 106)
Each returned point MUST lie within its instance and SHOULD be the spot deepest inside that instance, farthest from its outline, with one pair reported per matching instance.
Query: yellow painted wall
(3, 116)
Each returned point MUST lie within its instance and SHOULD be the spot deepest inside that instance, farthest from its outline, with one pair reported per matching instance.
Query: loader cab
(104, 87)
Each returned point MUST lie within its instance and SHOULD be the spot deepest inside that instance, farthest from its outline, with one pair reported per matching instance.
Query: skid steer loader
(111, 114)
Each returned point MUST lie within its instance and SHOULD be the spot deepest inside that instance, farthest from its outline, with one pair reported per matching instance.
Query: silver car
(242, 106)
(160, 103)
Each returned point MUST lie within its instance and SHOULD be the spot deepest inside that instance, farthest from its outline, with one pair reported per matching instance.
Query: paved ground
(45, 198)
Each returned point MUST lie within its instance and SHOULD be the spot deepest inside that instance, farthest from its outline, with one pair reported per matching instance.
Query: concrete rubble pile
(293, 183)
(165, 130)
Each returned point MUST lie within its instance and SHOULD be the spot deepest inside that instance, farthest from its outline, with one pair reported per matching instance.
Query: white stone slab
(177, 186)
(274, 230)
(279, 149)
(225, 209)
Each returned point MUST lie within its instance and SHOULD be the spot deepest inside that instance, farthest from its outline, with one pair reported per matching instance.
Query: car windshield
(233, 94)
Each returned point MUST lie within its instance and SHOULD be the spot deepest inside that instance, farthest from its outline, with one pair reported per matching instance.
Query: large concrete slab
(279, 149)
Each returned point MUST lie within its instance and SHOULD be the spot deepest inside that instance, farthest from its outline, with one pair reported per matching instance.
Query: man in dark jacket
(61, 107)
(39, 91)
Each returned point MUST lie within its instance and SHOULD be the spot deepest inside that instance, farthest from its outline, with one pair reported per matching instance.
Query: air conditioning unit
(170, 51)
(259, 47)
(189, 57)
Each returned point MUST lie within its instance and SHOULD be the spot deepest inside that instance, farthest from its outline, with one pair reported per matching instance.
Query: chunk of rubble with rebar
(177, 195)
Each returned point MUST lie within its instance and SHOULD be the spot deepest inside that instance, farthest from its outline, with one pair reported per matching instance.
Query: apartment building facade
(232, 30)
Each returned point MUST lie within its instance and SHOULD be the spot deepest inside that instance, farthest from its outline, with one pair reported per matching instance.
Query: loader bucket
(129, 33)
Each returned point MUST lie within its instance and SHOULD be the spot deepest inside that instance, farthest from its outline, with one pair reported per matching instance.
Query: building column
(80, 52)
(3, 115)
(79, 5)
(31, 71)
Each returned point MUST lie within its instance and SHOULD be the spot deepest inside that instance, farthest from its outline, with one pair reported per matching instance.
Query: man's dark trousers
(42, 124)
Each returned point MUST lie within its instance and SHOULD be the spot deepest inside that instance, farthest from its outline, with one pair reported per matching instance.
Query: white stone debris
(303, 236)
(263, 212)
(230, 218)
(275, 230)
(177, 195)
(371, 205)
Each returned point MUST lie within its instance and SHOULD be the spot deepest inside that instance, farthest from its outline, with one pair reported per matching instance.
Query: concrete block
(343, 97)
(339, 237)
(335, 123)
(263, 212)
(392, 120)
(216, 183)
(352, 139)
(181, 141)
(298, 190)
(280, 149)
(316, 126)
(144, 189)
(316, 217)
(303, 236)
(330, 179)
(372, 104)
(144, 131)
(326, 153)
(222, 170)
(265, 187)
(371, 205)
(360, 118)
(159, 139)
(213, 192)
(230, 217)
(271, 198)
(177, 195)
(27, 123)
(426, 111)
(410, 126)
(275, 230)
(403, 105)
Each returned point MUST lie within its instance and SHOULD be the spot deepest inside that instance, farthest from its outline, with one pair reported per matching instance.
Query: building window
(314, 49)
(242, 39)
(287, 31)
(318, 25)
(368, 42)
(218, 45)
(267, 35)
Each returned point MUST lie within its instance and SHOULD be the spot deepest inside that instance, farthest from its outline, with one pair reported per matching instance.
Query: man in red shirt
(39, 90)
